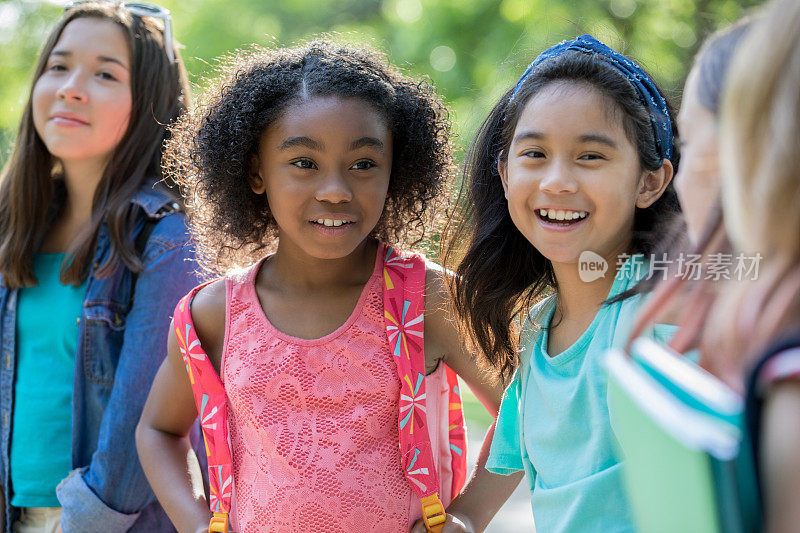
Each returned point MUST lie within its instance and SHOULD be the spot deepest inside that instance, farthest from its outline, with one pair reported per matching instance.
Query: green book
(688, 464)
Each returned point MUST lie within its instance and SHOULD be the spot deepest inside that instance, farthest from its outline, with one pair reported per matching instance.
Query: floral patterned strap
(457, 432)
(404, 310)
(209, 396)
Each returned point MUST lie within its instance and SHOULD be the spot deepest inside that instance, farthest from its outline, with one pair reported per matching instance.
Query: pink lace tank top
(313, 423)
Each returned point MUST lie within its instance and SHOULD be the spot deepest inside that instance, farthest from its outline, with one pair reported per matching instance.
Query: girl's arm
(445, 343)
(162, 437)
(484, 492)
(162, 440)
(482, 496)
(780, 457)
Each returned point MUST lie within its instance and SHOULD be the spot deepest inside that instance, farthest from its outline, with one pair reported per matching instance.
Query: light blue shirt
(554, 421)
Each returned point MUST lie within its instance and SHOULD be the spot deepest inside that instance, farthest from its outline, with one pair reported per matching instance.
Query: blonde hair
(760, 157)
(760, 137)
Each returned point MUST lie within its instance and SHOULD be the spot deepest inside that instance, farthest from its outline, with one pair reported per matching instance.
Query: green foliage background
(472, 50)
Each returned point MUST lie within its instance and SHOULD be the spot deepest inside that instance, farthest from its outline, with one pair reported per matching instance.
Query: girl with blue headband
(565, 193)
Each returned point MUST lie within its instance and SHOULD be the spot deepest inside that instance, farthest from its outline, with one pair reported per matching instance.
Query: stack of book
(688, 462)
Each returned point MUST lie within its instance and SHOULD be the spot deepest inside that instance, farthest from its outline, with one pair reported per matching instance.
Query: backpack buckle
(218, 523)
(433, 513)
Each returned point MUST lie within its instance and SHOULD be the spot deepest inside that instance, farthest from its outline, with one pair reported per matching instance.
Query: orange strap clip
(218, 523)
(433, 513)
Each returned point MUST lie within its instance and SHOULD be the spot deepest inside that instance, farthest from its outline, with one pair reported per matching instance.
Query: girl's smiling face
(324, 166)
(82, 101)
(573, 178)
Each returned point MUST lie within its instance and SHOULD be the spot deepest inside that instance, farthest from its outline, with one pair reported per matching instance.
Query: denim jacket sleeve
(108, 494)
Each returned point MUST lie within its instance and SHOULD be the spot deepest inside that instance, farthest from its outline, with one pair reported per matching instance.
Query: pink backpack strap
(457, 432)
(404, 310)
(211, 401)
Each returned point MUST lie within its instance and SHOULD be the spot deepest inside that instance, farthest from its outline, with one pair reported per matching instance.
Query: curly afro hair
(209, 152)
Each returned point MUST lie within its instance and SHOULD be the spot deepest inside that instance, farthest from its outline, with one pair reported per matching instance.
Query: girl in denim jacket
(92, 261)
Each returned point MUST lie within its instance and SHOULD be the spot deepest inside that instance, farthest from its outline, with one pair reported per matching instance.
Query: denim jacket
(122, 341)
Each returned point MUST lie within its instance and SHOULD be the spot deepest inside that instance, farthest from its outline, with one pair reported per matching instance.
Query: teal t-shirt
(554, 423)
(46, 340)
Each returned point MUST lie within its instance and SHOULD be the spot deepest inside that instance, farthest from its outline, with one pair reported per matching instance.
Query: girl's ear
(653, 183)
(254, 177)
(502, 169)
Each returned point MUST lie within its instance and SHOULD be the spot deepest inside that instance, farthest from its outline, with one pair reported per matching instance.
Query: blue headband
(649, 95)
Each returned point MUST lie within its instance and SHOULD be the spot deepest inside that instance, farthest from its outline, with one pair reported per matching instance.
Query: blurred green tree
(472, 50)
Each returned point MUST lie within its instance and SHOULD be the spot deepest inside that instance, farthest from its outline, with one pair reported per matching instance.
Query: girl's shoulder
(538, 315)
(211, 296)
(208, 309)
(208, 298)
(165, 233)
(534, 324)
(437, 280)
(159, 207)
(436, 277)
(779, 362)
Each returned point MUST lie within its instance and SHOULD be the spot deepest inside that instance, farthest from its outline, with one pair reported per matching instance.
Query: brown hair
(31, 188)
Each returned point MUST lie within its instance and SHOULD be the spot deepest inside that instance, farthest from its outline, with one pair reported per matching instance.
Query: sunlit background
(471, 50)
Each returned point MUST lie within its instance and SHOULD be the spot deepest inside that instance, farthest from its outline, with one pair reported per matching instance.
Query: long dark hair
(501, 273)
(31, 187)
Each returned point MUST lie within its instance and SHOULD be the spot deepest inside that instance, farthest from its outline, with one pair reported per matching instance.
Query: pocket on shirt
(104, 331)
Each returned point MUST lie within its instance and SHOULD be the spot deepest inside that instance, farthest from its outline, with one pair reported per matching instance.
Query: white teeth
(330, 222)
(552, 214)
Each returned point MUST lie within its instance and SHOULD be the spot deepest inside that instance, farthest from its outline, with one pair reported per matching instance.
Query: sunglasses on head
(143, 9)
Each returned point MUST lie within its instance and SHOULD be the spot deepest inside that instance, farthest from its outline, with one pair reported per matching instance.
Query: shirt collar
(153, 197)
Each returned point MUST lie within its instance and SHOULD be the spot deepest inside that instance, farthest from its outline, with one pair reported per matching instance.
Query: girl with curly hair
(322, 155)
